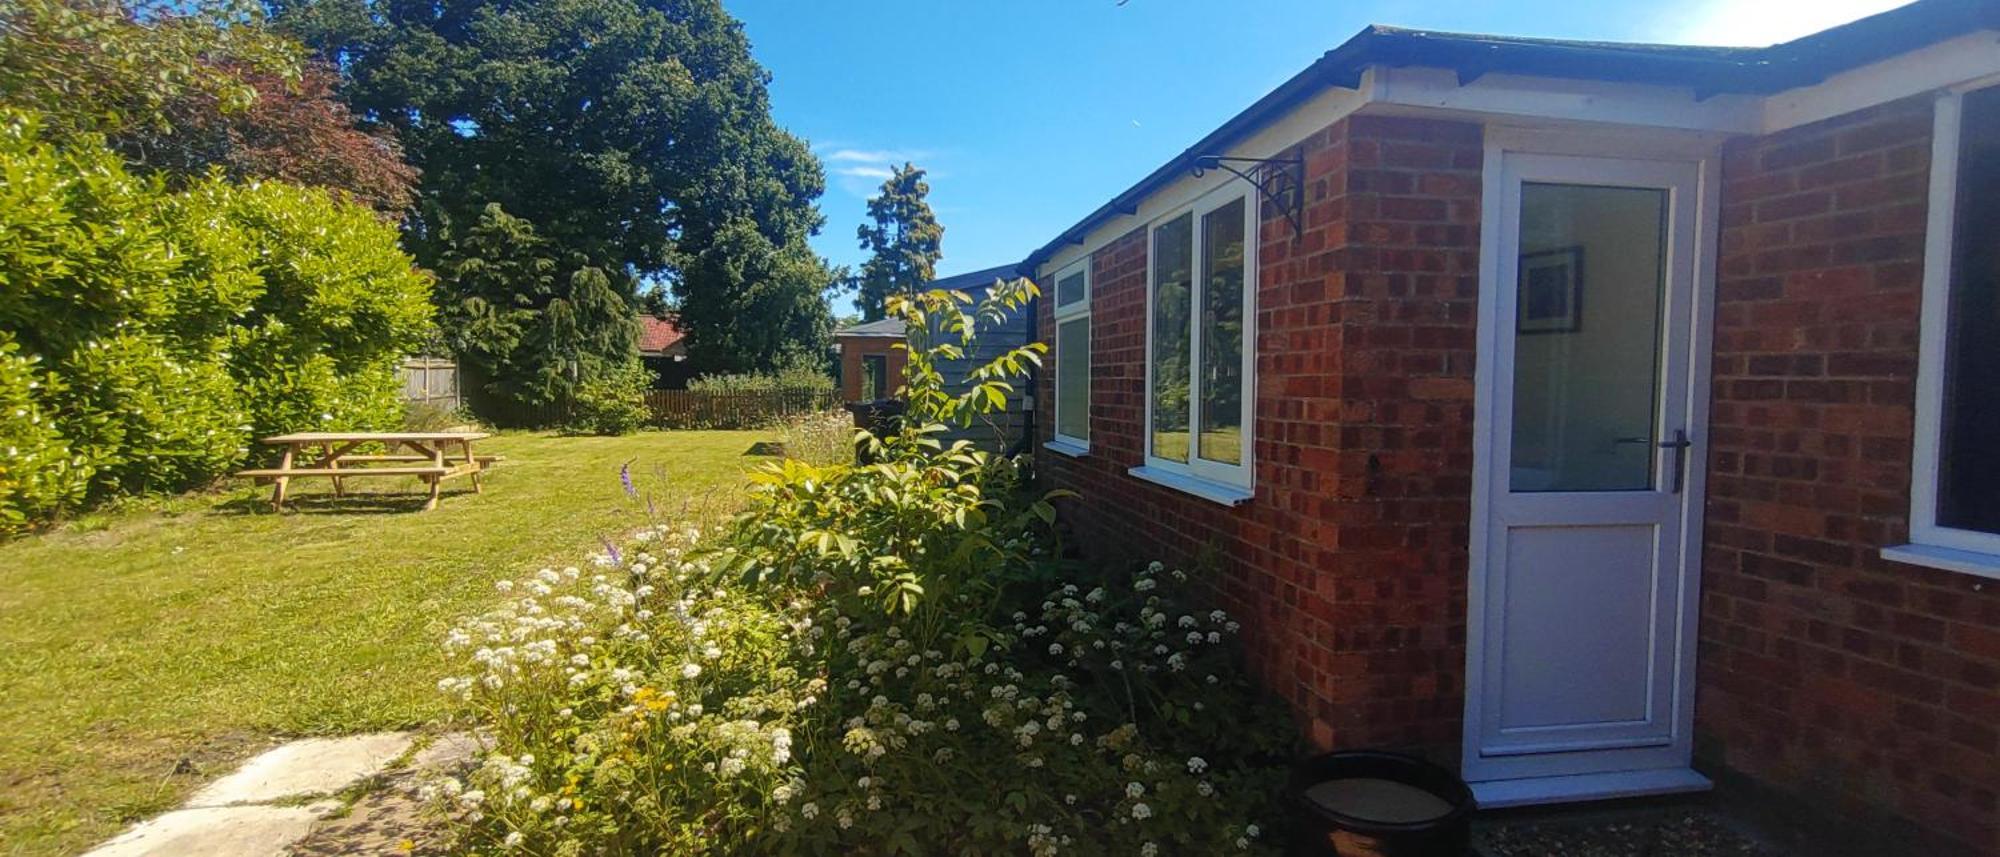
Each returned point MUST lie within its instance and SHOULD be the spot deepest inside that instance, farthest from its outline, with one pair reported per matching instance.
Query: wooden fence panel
(431, 380)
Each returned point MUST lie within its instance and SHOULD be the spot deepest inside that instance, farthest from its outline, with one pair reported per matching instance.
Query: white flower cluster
(595, 676)
(633, 688)
(911, 704)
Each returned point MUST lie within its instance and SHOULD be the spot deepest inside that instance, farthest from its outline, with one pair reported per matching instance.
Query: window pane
(875, 376)
(1586, 337)
(1069, 289)
(1969, 431)
(1173, 255)
(1073, 378)
(1222, 334)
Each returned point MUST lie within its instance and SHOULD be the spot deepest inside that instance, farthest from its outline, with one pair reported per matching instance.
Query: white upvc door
(1592, 388)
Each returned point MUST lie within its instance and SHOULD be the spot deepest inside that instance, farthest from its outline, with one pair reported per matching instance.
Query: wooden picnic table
(433, 456)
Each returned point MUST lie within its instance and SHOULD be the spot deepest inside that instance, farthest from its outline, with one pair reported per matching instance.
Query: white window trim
(1221, 483)
(1078, 309)
(1932, 545)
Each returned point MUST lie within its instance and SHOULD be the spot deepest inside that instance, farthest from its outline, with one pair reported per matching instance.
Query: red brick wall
(1866, 688)
(851, 375)
(1349, 566)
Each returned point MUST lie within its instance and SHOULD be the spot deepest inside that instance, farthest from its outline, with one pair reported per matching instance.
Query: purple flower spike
(625, 479)
(612, 551)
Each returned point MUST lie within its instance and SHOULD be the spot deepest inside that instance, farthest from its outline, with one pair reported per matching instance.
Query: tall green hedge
(146, 336)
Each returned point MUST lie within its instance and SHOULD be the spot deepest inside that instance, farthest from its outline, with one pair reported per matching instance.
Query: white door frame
(1663, 769)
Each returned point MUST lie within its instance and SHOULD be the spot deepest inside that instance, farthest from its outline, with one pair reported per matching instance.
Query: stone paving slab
(230, 831)
(449, 750)
(314, 766)
(257, 811)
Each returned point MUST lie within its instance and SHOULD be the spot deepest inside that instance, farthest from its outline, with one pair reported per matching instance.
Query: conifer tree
(903, 238)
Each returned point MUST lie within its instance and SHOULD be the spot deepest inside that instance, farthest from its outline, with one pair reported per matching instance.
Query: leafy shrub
(611, 403)
(40, 476)
(148, 419)
(798, 376)
(881, 659)
(172, 326)
(333, 303)
(80, 248)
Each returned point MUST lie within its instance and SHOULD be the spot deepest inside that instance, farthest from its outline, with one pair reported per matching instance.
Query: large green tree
(903, 238)
(630, 144)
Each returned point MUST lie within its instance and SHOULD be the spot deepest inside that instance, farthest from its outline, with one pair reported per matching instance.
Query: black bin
(880, 417)
(1368, 803)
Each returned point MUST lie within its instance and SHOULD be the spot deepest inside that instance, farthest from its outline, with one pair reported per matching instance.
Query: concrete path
(271, 802)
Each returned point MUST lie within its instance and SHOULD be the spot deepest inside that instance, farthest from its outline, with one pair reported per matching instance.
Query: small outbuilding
(872, 357)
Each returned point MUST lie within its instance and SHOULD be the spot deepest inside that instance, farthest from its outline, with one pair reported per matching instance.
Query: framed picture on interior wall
(1551, 291)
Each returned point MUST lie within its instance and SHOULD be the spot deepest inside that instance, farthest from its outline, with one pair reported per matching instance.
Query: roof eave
(1706, 71)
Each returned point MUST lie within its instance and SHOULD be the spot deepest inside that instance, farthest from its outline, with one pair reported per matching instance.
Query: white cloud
(873, 156)
(860, 171)
(1760, 22)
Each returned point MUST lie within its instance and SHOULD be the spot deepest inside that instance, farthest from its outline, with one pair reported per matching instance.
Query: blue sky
(1031, 113)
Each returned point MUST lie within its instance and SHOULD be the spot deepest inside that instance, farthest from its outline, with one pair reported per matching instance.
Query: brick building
(1606, 419)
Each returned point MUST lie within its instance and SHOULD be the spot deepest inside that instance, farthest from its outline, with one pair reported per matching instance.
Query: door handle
(1679, 445)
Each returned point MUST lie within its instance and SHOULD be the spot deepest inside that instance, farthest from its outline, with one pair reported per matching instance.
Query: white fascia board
(1548, 99)
(1948, 64)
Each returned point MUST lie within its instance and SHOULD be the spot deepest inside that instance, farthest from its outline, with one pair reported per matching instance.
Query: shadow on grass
(383, 502)
(767, 448)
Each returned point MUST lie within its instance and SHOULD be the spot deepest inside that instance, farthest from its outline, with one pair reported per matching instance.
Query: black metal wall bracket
(1281, 181)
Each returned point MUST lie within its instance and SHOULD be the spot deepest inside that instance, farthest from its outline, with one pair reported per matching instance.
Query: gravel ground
(1671, 832)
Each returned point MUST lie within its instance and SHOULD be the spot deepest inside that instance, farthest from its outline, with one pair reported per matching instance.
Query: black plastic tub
(880, 417)
(1367, 803)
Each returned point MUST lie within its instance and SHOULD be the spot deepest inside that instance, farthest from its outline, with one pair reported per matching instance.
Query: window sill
(1950, 559)
(1067, 447)
(1214, 492)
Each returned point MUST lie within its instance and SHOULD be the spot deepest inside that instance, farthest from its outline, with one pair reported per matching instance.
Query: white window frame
(1933, 545)
(1065, 314)
(1222, 483)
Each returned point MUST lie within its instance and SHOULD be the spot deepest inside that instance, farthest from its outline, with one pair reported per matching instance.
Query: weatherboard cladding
(995, 432)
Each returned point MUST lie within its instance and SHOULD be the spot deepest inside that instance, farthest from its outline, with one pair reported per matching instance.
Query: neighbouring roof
(657, 334)
(885, 327)
(1708, 71)
(979, 280)
(975, 281)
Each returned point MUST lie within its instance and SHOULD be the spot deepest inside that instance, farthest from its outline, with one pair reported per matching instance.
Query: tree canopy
(183, 87)
(903, 236)
(632, 139)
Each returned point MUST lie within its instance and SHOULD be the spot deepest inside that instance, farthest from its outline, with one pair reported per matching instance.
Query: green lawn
(146, 650)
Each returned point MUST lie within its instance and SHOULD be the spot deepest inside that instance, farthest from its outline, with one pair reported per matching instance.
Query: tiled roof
(657, 334)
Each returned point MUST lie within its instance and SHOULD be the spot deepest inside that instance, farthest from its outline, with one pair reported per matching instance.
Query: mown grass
(148, 649)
